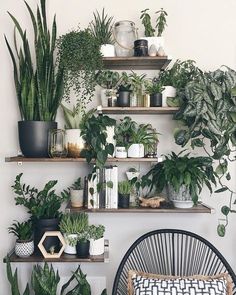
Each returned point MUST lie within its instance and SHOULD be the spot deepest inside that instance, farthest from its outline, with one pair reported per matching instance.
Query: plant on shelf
(208, 117)
(136, 86)
(124, 189)
(183, 176)
(146, 22)
(78, 53)
(161, 21)
(38, 82)
(96, 233)
(123, 131)
(154, 88)
(83, 243)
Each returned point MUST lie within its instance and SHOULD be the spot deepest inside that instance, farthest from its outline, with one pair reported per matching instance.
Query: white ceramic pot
(181, 199)
(76, 198)
(107, 50)
(24, 248)
(131, 175)
(74, 142)
(120, 152)
(96, 246)
(157, 41)
(169, 91)
(136, 150)
(71, 241)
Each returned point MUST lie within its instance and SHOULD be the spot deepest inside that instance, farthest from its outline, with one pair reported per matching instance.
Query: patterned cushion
(140, 283)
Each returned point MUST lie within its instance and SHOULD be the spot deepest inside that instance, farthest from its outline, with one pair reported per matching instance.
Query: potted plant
(43, 206)
(124, 189)
(183, 177)
(24, 246)
(109, 81)
(77, 194)
(96, 239)
(83, 243)
(124, 91)
(78, 53)
(136, 82)
(101, 29)
(154, 89)
(149, 32)
(38, 83)
(74, 141)
(70, 225)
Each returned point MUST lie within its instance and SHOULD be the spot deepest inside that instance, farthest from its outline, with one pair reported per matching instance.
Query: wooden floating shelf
(81, 160)
(200, 208)
(140, 110)
(64, 257)
(136, 63)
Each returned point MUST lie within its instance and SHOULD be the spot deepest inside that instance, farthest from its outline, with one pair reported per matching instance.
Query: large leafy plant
(40, 204)
(39, 90)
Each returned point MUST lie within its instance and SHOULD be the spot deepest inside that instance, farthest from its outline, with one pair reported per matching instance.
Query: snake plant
(39, 90)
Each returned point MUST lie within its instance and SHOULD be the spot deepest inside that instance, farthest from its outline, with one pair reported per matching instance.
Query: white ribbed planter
(169, 91)
(76, 198)
(136, 150)
(70, 249)
(96, 246)
(107, 50)
(74, 142)
(24, 248)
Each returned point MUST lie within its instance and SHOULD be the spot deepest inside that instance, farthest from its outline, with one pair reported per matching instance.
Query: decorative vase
(136, 150)
(71, 241)
(123, 200)
(74, 142)
(82, 249)
(77, 198)
(33, 137)
(169, 91)
(107, 50)
(156, 100)
(96, 246)
(23, 248)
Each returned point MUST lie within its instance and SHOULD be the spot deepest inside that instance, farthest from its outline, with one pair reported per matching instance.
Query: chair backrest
(171, 252)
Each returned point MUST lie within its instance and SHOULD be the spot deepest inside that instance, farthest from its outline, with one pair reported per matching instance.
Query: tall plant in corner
(39, 89)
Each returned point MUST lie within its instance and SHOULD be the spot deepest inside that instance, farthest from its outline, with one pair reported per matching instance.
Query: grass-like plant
(22, 230)
(39, 90)
(73, 223)
(124, 187)
(101, 28)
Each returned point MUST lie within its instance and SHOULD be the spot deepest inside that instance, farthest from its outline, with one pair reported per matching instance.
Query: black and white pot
(43, 225)
(136, 150)
(96, 246)
(74, 142)
(33, 137)
(156, 100)
(123, 200)
(23, 248)
(82, 248)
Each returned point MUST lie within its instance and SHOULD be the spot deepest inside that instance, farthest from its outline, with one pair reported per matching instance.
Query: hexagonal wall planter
(52, 234)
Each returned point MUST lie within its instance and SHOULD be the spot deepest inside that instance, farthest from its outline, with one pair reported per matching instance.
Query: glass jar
(56, 143)
(124, 35)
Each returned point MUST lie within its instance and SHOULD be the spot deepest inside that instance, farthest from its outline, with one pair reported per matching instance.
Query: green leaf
(221, 230)
(225, 210)
(220, 190)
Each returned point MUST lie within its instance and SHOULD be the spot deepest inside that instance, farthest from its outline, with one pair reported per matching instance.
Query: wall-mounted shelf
(139, 110)
(81, 160)
(64, 257)
(200, 208)
(136, 63)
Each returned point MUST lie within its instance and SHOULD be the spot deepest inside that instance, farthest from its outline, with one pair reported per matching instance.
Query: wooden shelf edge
(140, 110)
(64, 257)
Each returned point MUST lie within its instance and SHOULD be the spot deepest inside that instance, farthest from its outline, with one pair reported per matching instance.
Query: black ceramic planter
(123, 99)
(33, 137)
(156, 100)
(43, 225)
(123, 201)
(82, 249)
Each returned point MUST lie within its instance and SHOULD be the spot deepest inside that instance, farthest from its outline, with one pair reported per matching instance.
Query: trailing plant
(96, 231)
(101, 28)
(44, 280)
(77, 185)
(153, 86)
(161, 21)
(124, 187)
(146, 22)
(78, 53)
(73, 117)
(108, 79)
(94, 133)
(73, 223)
(40, 204)
(22, 230)
(39, 90)
(181, 170)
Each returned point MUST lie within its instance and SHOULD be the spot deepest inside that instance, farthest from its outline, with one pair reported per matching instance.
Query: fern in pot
(96, 239)
(39, 88)
(24, 246)
(70, 225)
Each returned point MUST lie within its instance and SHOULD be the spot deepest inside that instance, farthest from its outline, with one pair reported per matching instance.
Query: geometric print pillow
(140, 283)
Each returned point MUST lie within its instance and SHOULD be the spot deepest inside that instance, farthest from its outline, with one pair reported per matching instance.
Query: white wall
(197, 29)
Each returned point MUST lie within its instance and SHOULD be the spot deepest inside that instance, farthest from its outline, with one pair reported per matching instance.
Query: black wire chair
(171, 252)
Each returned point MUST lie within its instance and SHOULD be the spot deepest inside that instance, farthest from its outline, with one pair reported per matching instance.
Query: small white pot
(131, 175)
(74, 142)
(71, 238)
(157, 41)
(120, 152)
(76, 198)
(96, 246)
(136, 150)
(169, 91)
(24, 248)
(107, 50)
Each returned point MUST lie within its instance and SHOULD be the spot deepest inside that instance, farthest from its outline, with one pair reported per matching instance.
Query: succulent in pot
(43, 206)
(39, 89)
(124, 189)
(101, 29)
(24, 246)
(124, 91)
(96, 239)
(70, 225)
